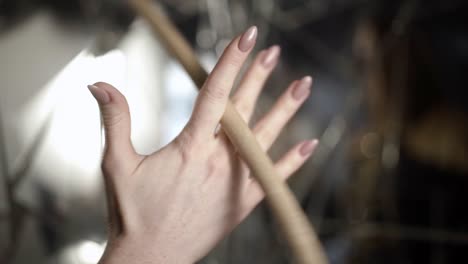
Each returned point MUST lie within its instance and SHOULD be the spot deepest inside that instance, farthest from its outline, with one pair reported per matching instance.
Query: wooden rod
(295, 226)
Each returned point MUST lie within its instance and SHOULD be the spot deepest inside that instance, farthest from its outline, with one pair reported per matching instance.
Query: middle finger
(253, 81)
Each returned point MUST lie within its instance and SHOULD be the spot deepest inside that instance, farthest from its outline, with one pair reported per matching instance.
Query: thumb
(116, 119)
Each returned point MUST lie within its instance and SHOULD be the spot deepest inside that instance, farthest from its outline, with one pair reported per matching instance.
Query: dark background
(388, 183)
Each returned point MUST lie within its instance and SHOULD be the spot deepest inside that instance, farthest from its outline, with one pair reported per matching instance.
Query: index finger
(213, 96)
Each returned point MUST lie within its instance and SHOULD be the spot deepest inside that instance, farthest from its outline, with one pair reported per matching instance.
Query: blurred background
(388, 183)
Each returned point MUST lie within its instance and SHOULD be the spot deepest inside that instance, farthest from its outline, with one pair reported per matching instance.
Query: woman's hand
(175, 205)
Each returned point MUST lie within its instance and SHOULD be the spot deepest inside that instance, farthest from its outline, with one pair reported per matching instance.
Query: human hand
(175, 205)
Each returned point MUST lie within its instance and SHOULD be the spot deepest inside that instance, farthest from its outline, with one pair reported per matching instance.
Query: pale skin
(175, 205)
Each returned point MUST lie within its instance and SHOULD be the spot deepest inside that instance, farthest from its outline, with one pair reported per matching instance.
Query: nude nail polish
(302, 88)
(271, 56)
(247, 39)
(99, 94)
(307, 148)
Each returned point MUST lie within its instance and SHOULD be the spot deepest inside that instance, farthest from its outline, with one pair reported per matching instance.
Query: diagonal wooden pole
(295, 226)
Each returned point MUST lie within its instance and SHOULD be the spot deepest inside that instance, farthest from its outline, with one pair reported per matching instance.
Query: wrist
(127, 250)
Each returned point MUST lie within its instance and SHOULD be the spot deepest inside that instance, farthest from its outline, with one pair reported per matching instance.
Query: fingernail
(308, 147)
(247, 39)
(271, 56)
(302, 88)
(99, 94)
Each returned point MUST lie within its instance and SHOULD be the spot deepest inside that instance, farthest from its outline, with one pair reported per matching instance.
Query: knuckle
(215, 92)
(234, 60)
(112, 118)
(186, 145)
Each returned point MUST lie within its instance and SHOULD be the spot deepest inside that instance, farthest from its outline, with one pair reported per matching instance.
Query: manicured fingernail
(308, 147)
(99, 94)
(271, 56)
(247, 39)
(302, 88)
